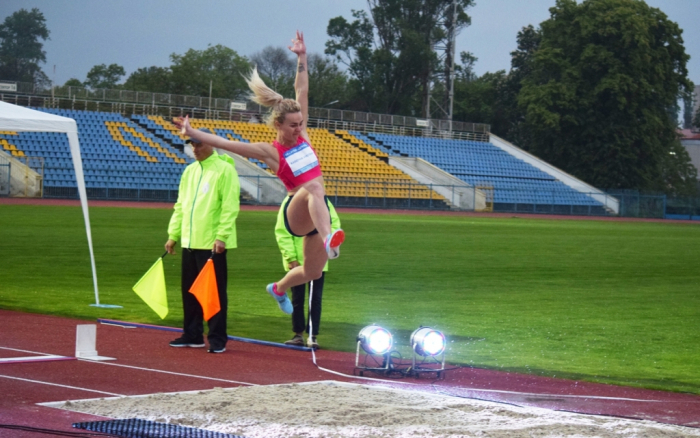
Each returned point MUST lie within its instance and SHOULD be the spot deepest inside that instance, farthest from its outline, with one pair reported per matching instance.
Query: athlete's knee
(313, 273)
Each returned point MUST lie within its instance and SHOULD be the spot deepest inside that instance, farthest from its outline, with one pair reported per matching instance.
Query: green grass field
(615, 302)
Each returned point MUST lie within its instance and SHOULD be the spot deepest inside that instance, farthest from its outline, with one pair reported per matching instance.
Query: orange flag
(204, 288)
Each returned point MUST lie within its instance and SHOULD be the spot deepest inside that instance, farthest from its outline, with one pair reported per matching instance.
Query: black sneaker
(216, 349)
(184, 342)
(296, 340)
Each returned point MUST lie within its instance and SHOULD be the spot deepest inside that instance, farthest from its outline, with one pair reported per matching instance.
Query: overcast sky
(143, 33)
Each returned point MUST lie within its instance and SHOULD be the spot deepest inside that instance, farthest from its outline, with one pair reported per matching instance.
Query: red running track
(146, 364)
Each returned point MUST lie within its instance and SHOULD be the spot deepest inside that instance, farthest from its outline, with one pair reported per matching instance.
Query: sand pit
(332, 409)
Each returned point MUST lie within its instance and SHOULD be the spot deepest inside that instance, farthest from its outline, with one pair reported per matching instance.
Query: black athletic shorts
(286, 222)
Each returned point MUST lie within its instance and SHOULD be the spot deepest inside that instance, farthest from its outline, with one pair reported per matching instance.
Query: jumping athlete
(296, 164)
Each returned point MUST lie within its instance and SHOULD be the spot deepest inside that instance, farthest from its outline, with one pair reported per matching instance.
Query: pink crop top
(298, 164)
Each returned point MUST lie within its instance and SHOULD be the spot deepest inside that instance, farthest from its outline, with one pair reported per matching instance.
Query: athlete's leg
(308, 210)
(315, 258)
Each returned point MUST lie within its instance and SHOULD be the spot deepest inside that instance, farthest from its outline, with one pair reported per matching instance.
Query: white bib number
(301, 159)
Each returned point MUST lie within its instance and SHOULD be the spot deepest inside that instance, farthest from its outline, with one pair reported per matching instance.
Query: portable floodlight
(375, 340)
(427, 341)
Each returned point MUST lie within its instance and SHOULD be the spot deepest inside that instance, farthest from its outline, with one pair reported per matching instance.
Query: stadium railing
(175, 105)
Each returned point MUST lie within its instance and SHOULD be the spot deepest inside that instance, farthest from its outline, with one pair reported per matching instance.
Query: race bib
(301, 159)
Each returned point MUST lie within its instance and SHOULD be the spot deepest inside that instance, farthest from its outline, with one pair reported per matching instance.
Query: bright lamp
(428, 342)
(375, 340)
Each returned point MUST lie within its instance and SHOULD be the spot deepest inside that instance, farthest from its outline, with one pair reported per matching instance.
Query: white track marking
(45, 358)
(169, 372)
(25, 351)
(42, 357)
(61, 386)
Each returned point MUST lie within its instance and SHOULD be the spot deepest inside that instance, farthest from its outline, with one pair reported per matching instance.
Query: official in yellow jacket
(204, 222)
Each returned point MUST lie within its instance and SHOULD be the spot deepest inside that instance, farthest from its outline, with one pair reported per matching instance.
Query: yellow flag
(151, 289)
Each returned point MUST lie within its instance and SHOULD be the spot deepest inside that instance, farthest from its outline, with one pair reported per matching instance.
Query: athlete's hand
(183, 124)
(298, 45)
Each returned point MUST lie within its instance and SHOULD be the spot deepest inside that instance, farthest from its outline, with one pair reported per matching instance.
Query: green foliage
(73, 82)
(104, 76)
(221, 66)
(604, 78)
(493, 97)
(390, 58)
(327, 83)
(21, 49)
(153, 79)
(604, 301)
(485, 100)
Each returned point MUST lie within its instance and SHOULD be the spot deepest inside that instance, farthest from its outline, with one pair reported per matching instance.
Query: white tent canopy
(18, 118)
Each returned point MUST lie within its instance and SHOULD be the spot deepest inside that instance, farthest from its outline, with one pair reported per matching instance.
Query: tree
(277, 67)
(390, 58)
(327, 83)
(153, 79)
(222, 67)
(597, 96)
(73, 82)
(104, 76)
(493, 97)
(21, 49)
(484, 100)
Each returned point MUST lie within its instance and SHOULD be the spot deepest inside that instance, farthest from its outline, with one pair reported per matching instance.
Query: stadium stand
(350, 170)
(516, 185)
(143, 157)
(9, 147)
(120, 159)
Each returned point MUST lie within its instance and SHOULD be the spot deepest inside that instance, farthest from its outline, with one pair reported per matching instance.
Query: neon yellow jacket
(291, 247)
(207, 204)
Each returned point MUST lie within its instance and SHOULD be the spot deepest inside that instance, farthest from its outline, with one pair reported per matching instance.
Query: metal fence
(169, 112)
(683, 208)
(638, 204)
(218, 108)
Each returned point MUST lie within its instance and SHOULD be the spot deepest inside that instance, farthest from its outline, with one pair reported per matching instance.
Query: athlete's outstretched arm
(261, 151)
(301, 83)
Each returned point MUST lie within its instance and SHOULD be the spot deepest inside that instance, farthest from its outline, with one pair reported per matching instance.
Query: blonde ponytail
(265, 96)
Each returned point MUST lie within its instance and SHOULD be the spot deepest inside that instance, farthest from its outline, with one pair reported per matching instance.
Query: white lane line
(169, 372)
(25, 351)
(25, 359)
(62, 386)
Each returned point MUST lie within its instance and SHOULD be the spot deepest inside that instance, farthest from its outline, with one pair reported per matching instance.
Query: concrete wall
(23, 181)
(459, 194)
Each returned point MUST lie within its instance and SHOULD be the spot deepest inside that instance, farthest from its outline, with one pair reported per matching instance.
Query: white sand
(326, 409)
